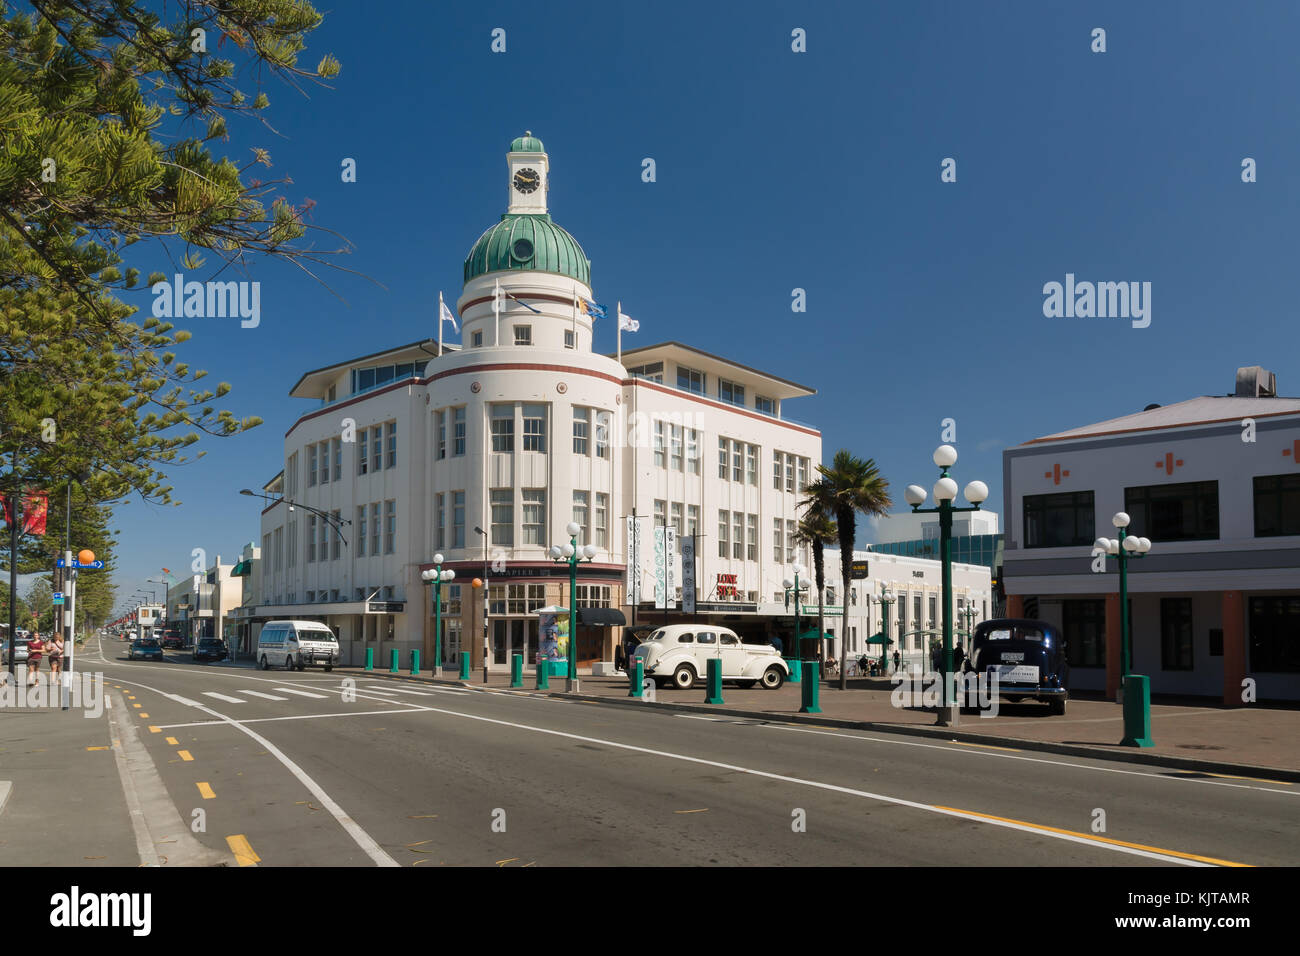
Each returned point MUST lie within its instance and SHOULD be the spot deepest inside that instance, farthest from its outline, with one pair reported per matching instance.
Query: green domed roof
(528, 143)
(528, 243)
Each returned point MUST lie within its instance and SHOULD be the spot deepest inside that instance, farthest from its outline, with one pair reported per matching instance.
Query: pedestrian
(776, 642)
(34, 648)
(898, 659)
(958, 655)
(54, 649)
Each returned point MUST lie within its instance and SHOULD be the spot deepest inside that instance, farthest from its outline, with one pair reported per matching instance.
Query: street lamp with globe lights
(797, 586)
(945, 492)
(571, 553)
(437, 576)
(1137, 712)
(884, 599)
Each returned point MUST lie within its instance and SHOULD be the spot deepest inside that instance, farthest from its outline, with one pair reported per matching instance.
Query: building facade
(1214, 482)
(485, 452)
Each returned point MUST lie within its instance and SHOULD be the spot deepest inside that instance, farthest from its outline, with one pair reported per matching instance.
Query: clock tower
(528, 167)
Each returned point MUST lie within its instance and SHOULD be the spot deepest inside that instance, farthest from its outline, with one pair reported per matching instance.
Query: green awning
(812, 635)
(879, 639)
(242, 569)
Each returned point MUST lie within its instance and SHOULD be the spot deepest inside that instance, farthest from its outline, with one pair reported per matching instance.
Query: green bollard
(811, 690)
(714, 668)
(415, 662)
(370, 658)
(795, 667)
(638, 678)
(1137, 712)
(464, 666)
(517, 670)
(392, 667)
(543, 675)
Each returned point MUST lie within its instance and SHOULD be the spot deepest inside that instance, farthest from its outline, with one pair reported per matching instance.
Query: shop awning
(879, 639)
(601, 617)
(242, 569)
(812, 635)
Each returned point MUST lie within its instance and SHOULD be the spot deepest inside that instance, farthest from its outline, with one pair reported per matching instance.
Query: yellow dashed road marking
(184, 755)
(205, 790)
(173, 741)
(963, 743)
(155, 730)
(98, 748)
(244, 854)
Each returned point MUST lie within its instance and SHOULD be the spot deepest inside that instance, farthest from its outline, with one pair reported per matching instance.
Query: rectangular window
(1058, 521)
(1274, 635)
(569, 342)
(458, 431)
(731, 392)
(361, 531)
(737, 461)
(651, 372)
(675, 522)
(476, 340)
(737, 535)
(523, 335)
(675, 448)
(789, 542)
(723, 446)
(293, 543)
(602, 434)
(1083, 628)
(724, 527)
(1181, 512)
(751, 538)
(689, 380)
(602, 520)
(776, 470)
(692, 451)
(337, 445)
(1175, 633)
(1277, 505)
(374, 527)
(661, 513)
(337, 515)
(764, 405)
(581, 501)
(440, 421)
(377, 448)
(311, 466)
(503, 428)
(778, 549)
(324, 539)
(789, 472)
(534, 524)
(503, 517)
(751, 464)
(291, 476)
(363, 453)
(581, 430)
(391, 428)
(324, 463)
(440, 521)
(535, 428)
(693, 520)
(311, 538)
(659, 443)
(458, 519)
(803, 474)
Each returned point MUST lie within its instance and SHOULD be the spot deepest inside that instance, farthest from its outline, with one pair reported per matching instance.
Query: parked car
(296, 644)
(173, 639)
(20, 650)
(210, 649)
(1028, 658)
(145, 648)
(679, 654)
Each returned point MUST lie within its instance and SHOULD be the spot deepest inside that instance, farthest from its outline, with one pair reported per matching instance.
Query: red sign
(727, 586)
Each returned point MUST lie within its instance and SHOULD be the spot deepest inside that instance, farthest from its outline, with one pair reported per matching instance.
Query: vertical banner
(688, 573)
(665, 542)
(633, 560)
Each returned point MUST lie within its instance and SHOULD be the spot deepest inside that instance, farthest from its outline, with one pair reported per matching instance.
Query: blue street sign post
(93, 566)
(57, 597)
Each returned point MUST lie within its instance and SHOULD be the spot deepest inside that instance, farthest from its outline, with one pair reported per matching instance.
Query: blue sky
(778, 170)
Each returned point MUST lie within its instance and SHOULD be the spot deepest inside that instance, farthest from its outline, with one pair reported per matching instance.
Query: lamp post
(329, 519)
(945, 491)
(885, 599)
(796, 586)
(1137, 716)
(486, 590)
(968, 613)
(437, 575)
(572, 553)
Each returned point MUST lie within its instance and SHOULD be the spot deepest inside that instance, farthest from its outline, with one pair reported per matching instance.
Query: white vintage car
(680, 652)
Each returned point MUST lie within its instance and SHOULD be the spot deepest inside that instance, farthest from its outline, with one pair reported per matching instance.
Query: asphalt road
(307, 769)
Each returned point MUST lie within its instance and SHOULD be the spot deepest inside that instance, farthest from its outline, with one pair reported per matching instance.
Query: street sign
(94, 565)
(858, 570)
(57, 597)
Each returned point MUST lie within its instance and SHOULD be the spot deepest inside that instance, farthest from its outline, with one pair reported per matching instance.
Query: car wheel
(263, 664)
(328, 668)
(684, 677)
(1056, 706)
(1014, 700)
(773, 678)
(288, 662)
(302, 665)
(746, 684)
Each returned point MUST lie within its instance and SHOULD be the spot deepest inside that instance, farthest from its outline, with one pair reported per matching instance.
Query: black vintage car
(1028, 658)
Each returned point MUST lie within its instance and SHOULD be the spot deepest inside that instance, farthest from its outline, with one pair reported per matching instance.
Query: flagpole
(496, 307)
(575, 320)
(618, 320)
(440, 322)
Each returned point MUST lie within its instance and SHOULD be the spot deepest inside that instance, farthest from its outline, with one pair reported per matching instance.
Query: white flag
(447, 315)
(628, 324)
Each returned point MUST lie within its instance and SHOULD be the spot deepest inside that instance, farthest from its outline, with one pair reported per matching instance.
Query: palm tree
(816, 527)
(850, 485)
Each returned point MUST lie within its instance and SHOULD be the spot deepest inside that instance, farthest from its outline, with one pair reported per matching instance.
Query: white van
(296, 644)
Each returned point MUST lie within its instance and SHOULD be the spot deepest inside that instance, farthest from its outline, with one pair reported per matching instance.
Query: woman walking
(54, 650)
(34, 648)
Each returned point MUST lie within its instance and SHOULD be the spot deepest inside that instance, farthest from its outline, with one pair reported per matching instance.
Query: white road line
(353, 829)
(258, 693)
(228, 700)
(695, 717)
(266, 720)
(300, 693)
(398, 690)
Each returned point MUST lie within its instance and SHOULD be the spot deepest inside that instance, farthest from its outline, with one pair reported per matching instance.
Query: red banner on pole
(36, 506)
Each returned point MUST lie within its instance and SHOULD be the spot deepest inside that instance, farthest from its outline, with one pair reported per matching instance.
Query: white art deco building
(486, 451)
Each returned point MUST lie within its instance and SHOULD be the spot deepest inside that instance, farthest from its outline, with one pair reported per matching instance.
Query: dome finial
(528, 132)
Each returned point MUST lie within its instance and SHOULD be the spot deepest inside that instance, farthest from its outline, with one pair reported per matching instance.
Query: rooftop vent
(1253, 381)
(1151, 407)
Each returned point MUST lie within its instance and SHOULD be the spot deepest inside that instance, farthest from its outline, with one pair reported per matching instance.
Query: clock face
(527, 180)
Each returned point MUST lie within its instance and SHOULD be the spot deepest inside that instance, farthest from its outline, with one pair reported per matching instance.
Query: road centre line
(1006, 756)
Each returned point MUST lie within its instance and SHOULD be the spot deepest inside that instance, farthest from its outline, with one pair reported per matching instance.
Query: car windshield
(316, 636)
(149, 642)
(1016, 634)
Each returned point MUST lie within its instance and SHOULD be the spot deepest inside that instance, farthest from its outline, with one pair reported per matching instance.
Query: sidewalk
(1252, 740)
